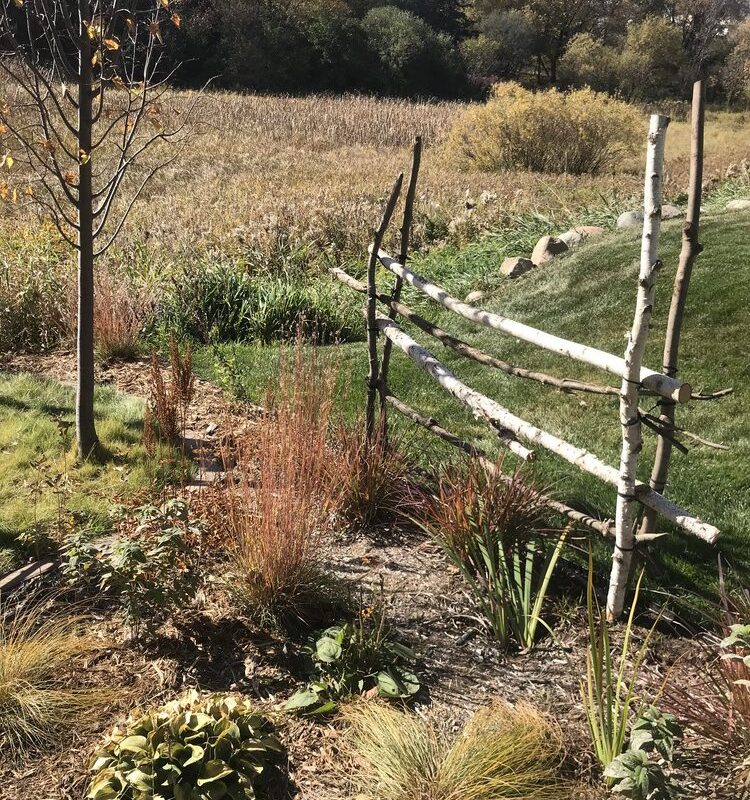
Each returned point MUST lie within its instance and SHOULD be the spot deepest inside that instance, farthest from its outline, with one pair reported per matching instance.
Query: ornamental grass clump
(194, 748)
(492, 528)
(502, 752)
(38, 649)
(374, 478)
(577, 133)
(279, 509)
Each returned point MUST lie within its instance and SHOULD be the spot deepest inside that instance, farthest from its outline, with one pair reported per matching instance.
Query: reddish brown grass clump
(281, 505)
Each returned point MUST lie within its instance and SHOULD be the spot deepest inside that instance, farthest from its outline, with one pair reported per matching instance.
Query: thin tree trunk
(627, 508)
(691, 248)
(372, 303)
(85, 429)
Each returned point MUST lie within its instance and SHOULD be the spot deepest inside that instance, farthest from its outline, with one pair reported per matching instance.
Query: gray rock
(630, 219)
(474, 297)
(741, 204)
(547, 248)
(576, 235)
(513, 267)
(671, 212)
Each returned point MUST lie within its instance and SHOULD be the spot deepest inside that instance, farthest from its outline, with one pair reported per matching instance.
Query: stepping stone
(741, 204)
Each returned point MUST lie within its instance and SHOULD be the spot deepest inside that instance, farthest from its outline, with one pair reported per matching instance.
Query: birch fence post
(630, 420)
(691, 249)
(398, 284)
(372, 291)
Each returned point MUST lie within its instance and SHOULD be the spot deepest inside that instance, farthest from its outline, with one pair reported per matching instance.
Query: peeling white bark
(490, 410)
(627, 507)
(653, 381)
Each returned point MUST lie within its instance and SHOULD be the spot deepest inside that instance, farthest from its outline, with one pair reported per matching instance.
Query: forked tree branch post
(398, 284)
(372, 303)
(691, 249)
(630, 420)
(86, 79)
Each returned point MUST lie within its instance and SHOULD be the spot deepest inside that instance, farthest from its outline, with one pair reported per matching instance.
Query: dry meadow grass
(274, 182)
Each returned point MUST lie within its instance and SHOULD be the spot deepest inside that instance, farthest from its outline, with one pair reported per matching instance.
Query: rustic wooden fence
(515, 433)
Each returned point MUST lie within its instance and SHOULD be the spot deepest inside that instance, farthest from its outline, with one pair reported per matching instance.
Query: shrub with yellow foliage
(580, 132)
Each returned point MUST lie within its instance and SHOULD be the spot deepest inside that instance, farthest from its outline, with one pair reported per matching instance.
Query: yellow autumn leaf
(91, 30)
(83, 157)
(111, 44)
(176, 20)
(155, 30)
(19, 3)
(131, 24)
(164, 3)
(95, 58)
(3, 129)
(9, 161)
(70, 178)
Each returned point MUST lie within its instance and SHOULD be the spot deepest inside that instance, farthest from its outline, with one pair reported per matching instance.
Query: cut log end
(683, 393)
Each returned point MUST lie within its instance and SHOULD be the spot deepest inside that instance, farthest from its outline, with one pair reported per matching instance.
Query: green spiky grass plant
(490, 528)
(502, 752)
(608, 690)
(37, 650)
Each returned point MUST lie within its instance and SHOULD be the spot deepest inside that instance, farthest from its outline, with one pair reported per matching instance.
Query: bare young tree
(84, 82)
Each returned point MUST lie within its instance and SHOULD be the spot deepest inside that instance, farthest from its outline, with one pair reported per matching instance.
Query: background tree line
(640, 49)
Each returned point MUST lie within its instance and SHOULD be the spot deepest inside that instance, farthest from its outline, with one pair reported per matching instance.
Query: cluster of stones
(549, 247)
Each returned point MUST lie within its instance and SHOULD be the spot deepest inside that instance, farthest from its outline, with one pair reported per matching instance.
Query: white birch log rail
(656, 382)
(630, 416)
(467, 350)
(604, 527)
(490, 410)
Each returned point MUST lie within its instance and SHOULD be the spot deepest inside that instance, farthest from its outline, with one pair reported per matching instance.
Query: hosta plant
(355, 658)
(194, 748)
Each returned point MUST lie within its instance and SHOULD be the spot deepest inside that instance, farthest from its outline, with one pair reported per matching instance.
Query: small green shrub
(194, 748)
(355, 658)
(148, 564)
(578, 133)
(642, 771)
(225, 304)
(489, 527)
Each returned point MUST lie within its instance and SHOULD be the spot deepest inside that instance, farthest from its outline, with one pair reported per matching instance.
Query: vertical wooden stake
(691, 249)
(403, 255)
(627, 506)
(372, 291)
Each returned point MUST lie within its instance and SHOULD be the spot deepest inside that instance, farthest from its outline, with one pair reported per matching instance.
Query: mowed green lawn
(42, 489)
(589, 296)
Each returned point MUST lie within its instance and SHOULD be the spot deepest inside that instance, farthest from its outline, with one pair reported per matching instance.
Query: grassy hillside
(589, 296)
